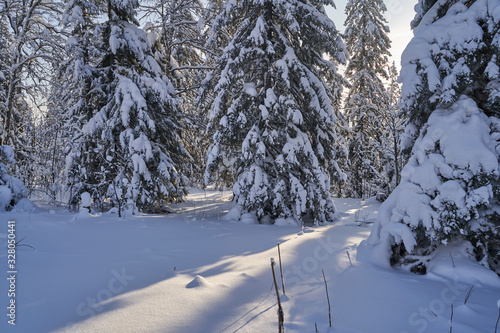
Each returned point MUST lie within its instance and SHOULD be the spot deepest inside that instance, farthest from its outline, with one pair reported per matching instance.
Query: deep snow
(191, 271)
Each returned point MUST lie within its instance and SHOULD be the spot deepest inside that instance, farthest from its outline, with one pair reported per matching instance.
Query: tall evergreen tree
(176, 29)
(70, 104)
(129, 146)
(436, 9)
(368, 45)
(467, 70)
(449, 193)
(272, 115)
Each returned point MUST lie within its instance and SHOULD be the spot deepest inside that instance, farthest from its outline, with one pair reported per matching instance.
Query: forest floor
(191, 271)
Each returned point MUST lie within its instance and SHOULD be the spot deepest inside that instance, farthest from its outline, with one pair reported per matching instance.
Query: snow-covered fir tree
(68, 107)
(73, 101)
(438, 8)
(272, 115)
(176, 30)
(366, 103)
(449, 192)
(467, 71)
(128, 148)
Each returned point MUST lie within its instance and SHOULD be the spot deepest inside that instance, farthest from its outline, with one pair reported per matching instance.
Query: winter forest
(135, 133)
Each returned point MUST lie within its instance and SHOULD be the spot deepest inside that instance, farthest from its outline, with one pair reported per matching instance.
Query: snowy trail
(192, 272)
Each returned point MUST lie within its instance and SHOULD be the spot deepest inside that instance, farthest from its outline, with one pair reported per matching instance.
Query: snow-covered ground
(191, 271)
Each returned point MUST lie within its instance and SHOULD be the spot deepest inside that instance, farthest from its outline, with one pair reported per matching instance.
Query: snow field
(192, 271)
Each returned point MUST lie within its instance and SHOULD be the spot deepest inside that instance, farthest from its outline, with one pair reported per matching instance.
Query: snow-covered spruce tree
(367, 102)
(73, 102)
(175, 28)
(272, 116)
(449, 192)
(420, 98)
(129, 147)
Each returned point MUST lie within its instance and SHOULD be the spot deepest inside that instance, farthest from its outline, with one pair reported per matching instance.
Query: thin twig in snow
(468, 294)
(328, 299)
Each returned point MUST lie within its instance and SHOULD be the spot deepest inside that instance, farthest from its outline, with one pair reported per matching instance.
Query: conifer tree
(128, 148)
(367, 101)
(272, 116)
(449, 193)
(70, 103)
(176, 30)
(467, 71)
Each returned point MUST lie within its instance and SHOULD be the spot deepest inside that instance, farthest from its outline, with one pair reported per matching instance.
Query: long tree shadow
(78, 282)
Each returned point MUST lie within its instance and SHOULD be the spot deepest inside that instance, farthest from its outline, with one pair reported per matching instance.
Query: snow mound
(198, 282)
(455, 262)
(286, 221)
(249, 218)
(7, 153)
(26, 206)
(233, 214)
(5, 197)
(86, 199)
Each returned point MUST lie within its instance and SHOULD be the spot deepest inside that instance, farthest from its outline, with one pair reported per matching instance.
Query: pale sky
(399, 15)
